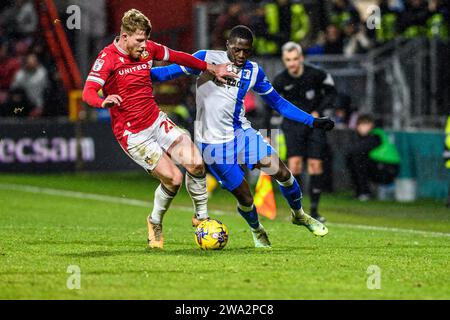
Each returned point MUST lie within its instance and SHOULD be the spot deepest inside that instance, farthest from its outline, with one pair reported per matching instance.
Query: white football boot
(260, 237)
(302, 219)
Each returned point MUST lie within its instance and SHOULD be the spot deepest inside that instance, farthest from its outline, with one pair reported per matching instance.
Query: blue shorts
(224, 160)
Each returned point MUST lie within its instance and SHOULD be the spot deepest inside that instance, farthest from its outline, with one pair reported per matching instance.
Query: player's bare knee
(176, 180)
(246, 200)
(283, 174)
(243, 195)
(197, 169)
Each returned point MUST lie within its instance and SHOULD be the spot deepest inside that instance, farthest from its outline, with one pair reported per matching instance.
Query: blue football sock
(250, 215)
(292, 193)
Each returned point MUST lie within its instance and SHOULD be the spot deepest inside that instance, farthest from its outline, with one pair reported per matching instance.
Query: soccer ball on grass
(211, 234)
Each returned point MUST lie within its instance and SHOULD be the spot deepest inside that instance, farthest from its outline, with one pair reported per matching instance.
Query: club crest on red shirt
(145, 55)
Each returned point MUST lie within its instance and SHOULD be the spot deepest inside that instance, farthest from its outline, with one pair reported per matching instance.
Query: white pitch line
(378, 228)
(87, 196)
(74, 194)
(147, 204)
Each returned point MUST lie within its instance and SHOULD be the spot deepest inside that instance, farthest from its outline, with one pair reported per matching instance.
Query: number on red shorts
(168, 125)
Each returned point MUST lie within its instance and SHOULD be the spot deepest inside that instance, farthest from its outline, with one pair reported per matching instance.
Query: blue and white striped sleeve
(262, 85)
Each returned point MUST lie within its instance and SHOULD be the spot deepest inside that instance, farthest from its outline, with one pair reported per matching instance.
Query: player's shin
(315, 186)
(260, 236)
(161, 203)
(298, 178)
(250, 215)
(196, 187)
(291, 191)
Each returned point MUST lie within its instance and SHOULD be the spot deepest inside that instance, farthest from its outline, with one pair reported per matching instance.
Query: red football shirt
(118, 73)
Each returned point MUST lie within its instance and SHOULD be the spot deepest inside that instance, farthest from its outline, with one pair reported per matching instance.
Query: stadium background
(402, 80)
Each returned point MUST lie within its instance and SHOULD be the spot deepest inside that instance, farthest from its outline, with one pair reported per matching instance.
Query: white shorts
(146, 147)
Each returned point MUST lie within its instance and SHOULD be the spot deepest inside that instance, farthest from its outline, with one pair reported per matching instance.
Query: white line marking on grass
(87, 196)
(148, 204)
(378, 228)
(74, 194)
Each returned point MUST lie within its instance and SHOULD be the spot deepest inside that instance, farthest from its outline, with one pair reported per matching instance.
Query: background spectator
(342, 13)
(17, 104)
(343, 112)
(259, 27)
(55, 97)
(387, 30)
(26, 17)
(285, 21)
(413, 20)
(437, 23)
(371, 158)
(32, 77)
(333, 41)
(231, 18)
(9, 66)
(21, 19)
(356, 40)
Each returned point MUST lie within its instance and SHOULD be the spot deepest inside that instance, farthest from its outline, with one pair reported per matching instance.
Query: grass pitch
(97, 222)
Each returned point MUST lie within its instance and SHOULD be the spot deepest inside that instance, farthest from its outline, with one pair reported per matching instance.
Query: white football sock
(298, 213)
(196, 187)
(161, 204)
(288, 182)
(244, 208)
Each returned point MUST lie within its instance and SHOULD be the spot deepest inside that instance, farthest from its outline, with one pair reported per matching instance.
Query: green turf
(42, 234)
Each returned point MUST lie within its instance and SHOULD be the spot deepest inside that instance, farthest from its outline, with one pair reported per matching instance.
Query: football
(211, 234)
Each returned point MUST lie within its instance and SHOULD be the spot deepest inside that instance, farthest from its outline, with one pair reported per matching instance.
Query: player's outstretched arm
(264, 88)
(220, 71)
(162, 74)
(174, 71)
(288, 110)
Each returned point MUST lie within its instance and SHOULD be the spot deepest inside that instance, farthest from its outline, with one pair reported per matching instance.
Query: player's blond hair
(134, 20)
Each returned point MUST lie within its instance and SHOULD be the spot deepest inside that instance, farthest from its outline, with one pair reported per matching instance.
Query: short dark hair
(241, 32)
(365, 118)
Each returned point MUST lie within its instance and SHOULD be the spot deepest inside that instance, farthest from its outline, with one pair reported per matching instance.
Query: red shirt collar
(119, 49)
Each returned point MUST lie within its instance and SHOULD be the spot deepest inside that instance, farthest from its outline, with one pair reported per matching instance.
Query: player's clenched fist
(220, 71)
(323, 123)
(111, 101)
